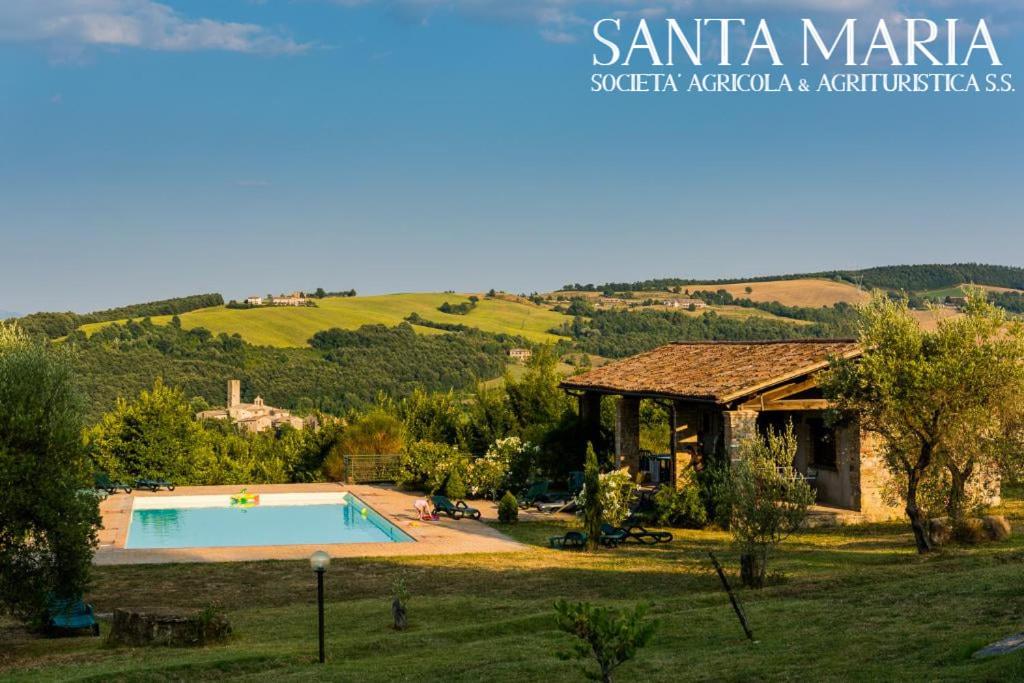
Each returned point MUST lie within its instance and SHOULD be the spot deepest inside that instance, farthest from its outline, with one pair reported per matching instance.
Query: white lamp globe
(319, 561)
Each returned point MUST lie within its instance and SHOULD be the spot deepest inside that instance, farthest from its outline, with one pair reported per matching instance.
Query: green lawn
(852, 603)
(283, 326)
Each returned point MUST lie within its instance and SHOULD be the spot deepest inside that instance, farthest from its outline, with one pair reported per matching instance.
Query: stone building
(293, 299)
(685, 303)
(252, 417)
(519, 354)
(718, 393)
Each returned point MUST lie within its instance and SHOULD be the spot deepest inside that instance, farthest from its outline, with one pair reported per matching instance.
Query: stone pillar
(590, 416)
(739, 425)
(627, 433)
(686, 437)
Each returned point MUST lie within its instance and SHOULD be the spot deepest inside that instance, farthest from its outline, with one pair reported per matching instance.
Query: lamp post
(319, 562)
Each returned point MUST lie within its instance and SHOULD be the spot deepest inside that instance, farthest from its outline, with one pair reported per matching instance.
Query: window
(823, 444)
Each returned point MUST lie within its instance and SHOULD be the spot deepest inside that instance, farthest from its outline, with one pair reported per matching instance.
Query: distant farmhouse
(255, 416)
(521, 355)
(685, 303)
(293, 299)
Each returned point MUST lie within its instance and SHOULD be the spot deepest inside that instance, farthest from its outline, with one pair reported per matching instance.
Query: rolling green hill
(292, 327)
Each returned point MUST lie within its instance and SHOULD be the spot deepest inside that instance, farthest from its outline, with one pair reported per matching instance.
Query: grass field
(844, 604)
(959, 290)
(284, 326)
(812, 292)
(804, 292)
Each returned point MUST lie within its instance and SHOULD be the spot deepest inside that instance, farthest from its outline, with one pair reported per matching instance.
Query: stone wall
(871, 479)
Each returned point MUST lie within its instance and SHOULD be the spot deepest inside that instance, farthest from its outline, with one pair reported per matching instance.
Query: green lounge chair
(638, 533)
(65, 617)
(456, 510)
(571, 539)
(102, 482)
(536, 493)
(153, 485)
(612, 536)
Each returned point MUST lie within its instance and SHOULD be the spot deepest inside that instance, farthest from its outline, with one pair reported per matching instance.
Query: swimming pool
(211, 521)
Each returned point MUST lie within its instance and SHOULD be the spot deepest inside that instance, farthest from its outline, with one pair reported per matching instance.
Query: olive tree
(946, 403)
(48, 516)
(768, 500)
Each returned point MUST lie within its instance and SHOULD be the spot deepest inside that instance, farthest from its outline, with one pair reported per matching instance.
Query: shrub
(454, 486)
(617, 493)
(508, 509)
(713, 487)
(426, 466)
(399, 603)
(611, 637)
(768, 499)
(682, 507)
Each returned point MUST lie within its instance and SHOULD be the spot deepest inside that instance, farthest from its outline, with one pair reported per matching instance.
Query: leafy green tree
(374, 433)
(768, 500)
(437, 416)
(593, 502)
(535, 400)
(611, 637)
(47, 524)
(947, 400)
(152, 436)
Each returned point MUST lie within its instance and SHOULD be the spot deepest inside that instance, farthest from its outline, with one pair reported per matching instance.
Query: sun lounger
(153, 485)
(103, 483)
(612, 536)
(456, 510)
(571, 539)
(638, 533)
(557, 506)
(535, 494)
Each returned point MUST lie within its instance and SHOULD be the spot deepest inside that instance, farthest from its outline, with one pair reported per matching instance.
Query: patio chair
(103, 483)
(67, 617)
(570, 540)
(456, 510)
(153, 485)
(535, 494)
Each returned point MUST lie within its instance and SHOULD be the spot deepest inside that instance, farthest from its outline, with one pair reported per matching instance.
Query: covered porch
(716, 394)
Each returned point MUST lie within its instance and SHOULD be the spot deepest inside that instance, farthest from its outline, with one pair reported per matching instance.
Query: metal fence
(365, 469)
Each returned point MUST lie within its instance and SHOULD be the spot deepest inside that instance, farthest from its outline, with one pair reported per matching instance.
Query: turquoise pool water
(197, 526)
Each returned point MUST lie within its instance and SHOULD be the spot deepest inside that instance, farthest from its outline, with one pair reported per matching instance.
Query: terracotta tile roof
(715, 371)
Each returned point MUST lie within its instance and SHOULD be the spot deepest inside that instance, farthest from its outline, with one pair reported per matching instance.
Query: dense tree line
(909, 278)
(840, 316)
(345, 369)
(616, 334)
(55, 325)
(1010, 301)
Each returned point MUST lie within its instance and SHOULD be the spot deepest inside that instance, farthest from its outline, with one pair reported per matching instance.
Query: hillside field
(805, 292)
(292, 327)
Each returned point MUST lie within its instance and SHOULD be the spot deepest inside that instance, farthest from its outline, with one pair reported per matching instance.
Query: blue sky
(156, 149)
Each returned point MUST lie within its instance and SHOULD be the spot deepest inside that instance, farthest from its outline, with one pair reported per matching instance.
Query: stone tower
(234, 392)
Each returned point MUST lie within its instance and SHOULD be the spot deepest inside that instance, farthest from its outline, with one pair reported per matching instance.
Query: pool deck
(443, 537)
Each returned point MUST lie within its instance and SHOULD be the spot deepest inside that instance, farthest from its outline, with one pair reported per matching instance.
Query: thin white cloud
(69, 27)
(565, 21)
